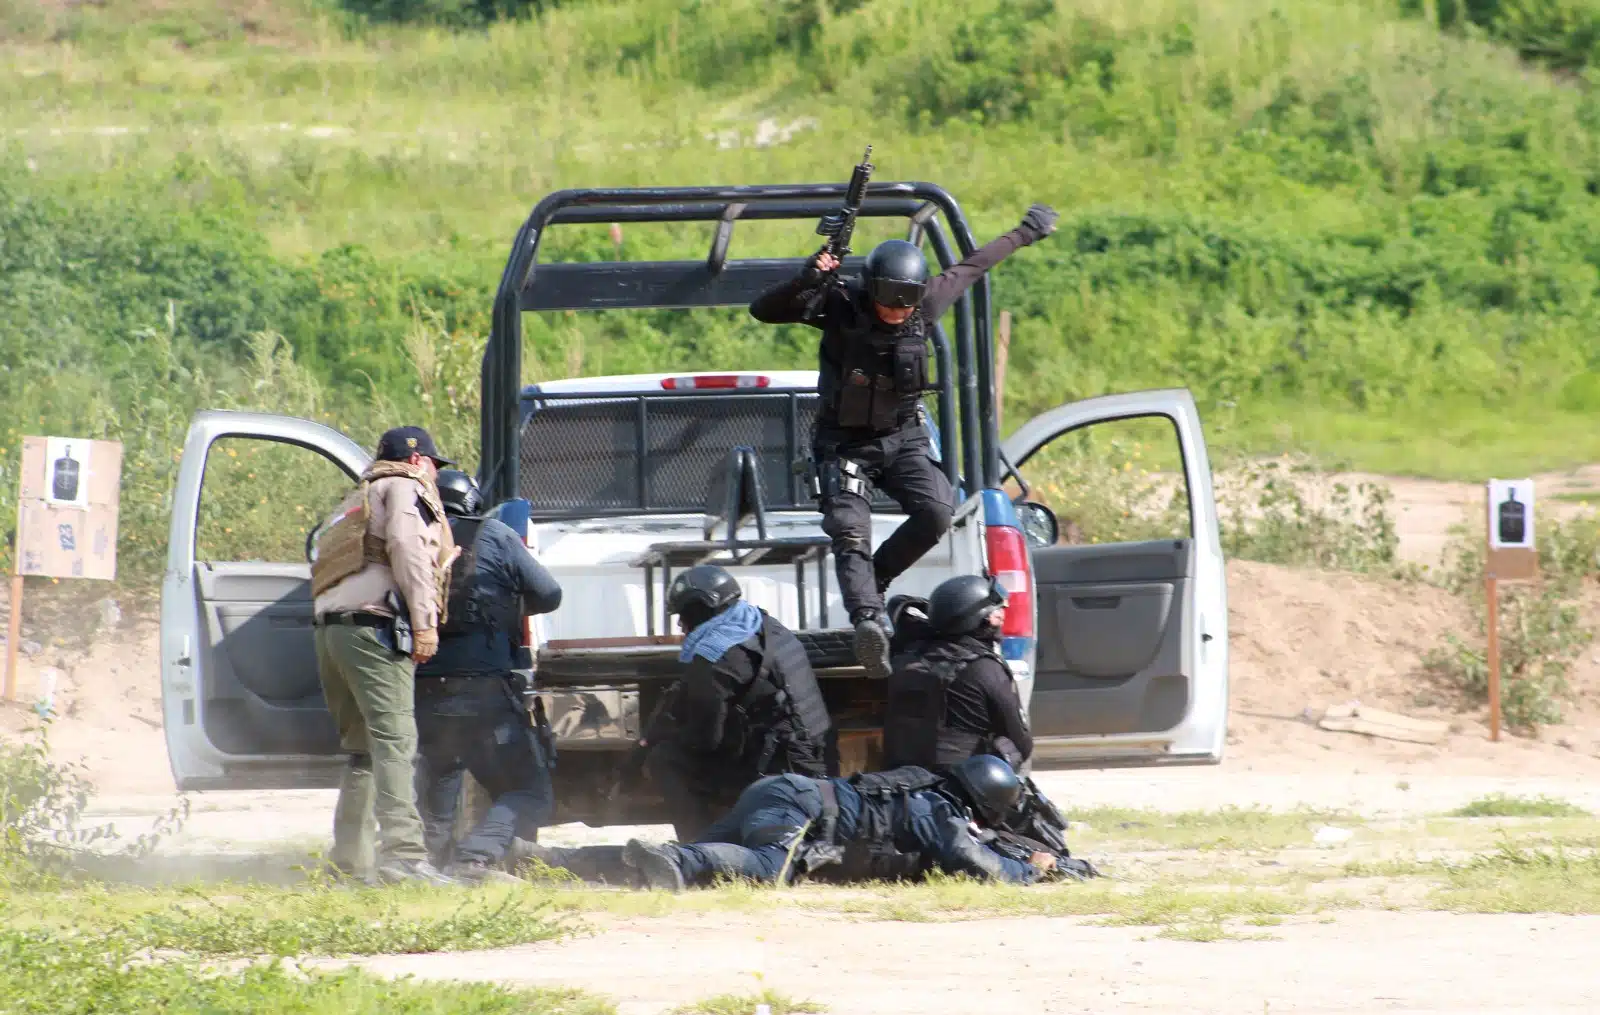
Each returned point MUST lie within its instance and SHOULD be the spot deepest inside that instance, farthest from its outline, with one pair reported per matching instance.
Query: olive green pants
(371, 692)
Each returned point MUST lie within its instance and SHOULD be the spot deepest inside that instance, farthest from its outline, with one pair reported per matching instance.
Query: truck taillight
(1008, 563)
(715, 381)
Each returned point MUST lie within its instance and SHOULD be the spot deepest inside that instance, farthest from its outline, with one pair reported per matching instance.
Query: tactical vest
(915, 719)
(344, 546)
(781, 709)
(871, 854)
(467, 610)
(883, 371)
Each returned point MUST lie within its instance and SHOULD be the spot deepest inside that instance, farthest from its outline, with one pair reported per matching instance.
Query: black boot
(872, 641)
(658, 864)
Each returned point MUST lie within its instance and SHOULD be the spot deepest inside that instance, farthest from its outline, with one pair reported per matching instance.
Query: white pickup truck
(1119, 649)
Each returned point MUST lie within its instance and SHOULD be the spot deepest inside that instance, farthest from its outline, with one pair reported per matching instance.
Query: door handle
(183, 653)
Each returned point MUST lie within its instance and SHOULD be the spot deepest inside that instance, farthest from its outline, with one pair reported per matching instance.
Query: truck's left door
(242, 701)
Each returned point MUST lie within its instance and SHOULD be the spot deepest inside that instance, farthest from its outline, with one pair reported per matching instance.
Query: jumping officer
(379, 571)
(747, 706)
(470, 712)
(873, 367)
(951, 695)
(894, 825)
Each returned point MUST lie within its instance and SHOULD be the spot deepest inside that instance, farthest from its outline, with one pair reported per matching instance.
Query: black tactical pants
(695, 788)
(699, 789)
(475, 724)
(900, 464)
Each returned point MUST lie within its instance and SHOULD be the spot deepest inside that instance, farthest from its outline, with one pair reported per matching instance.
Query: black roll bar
(717, 281)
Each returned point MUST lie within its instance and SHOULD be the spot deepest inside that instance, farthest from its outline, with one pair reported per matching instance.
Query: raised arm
(1039, 222)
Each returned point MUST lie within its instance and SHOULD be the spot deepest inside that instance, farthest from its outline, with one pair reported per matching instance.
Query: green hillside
(1365, 230)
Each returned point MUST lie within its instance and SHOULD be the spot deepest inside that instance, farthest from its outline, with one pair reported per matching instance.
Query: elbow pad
(973, 854)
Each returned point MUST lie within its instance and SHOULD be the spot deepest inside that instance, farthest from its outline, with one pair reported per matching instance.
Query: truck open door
(1131, 666)
(241, 698)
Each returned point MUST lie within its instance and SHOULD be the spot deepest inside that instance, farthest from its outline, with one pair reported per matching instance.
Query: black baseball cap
(404, 441)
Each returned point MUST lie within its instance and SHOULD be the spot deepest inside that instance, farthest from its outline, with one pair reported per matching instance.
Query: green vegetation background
(1368, 230)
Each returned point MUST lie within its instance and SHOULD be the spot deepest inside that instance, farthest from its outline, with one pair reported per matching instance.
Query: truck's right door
(1131, 666)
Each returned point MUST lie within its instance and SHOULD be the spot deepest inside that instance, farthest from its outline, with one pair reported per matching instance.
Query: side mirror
(1039, 525)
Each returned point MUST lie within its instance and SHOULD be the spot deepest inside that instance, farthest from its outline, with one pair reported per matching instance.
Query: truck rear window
(588, 454)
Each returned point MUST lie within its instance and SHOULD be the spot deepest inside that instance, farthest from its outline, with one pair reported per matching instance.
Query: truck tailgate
(601, 633)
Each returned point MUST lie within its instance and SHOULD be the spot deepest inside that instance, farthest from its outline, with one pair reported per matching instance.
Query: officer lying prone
(896, 825)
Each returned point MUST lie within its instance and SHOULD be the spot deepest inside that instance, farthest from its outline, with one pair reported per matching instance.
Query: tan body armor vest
(343, 545)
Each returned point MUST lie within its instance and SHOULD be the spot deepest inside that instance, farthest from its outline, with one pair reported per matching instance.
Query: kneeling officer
(469, 713)
(748, 705)
(950, 694)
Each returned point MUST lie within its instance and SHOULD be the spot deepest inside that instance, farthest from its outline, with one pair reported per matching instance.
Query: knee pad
(359, 762)
(843, 545)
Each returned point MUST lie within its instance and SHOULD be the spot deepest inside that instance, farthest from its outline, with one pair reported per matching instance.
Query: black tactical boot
(658, 864)
(872, 642)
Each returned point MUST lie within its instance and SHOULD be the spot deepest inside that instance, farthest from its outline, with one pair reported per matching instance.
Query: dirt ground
(1359, 962)
(1299, 641)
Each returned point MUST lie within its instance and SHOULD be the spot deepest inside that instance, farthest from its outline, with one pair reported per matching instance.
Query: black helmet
(702, 592)
(990, 785)
(459, 492)
(897, 274)
(961, 604)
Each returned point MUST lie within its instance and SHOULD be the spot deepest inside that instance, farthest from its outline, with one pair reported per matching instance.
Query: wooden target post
(1511, 557)
(67, 503)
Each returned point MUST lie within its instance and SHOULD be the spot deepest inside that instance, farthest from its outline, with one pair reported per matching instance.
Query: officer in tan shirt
(381, 564)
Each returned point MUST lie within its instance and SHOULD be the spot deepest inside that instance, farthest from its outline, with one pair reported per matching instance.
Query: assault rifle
(1036, 826)
(840, 226)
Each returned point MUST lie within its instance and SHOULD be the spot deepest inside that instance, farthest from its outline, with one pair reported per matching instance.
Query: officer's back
(497, 583)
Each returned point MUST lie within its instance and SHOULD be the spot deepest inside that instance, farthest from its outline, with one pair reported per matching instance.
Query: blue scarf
(712, 640)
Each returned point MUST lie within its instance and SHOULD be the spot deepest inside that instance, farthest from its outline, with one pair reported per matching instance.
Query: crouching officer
(893, 825)
(747, 706)
(950, 695)
(873, 368)
(470, 714)
(379, 569)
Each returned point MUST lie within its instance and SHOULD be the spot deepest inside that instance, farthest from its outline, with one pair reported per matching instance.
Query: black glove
(1041, 220)
(811, 274)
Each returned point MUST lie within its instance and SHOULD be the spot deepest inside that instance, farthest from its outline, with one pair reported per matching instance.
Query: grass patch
(1229, 828)
(1207, 932)
(1500, 805)
(226, 920)
(942, 899)
(1521, 879)
(745, 1004)
(84, 974)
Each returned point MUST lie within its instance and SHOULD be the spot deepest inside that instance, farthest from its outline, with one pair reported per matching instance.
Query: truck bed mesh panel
(637, 453)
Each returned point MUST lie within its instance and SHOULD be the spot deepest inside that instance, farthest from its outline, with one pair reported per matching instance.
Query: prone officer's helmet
(990, 785)
(702, 592)
(961, 605)
(897, 274)
(459, 492)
